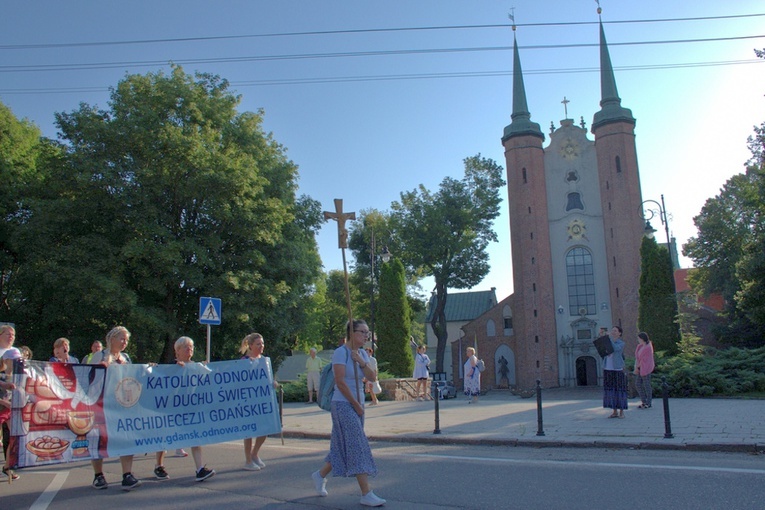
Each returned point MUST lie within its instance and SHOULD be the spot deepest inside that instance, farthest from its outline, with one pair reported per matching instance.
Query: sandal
(642, 406)
(10, 474)
(613, 415)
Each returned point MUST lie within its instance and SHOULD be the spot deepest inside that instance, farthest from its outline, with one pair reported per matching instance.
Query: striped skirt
(614, 389)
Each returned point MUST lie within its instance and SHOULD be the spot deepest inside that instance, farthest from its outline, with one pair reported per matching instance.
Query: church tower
(533, 305)
(614, 130)
(575, 231)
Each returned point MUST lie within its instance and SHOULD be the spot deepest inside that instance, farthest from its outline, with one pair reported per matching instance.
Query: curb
(753, 448)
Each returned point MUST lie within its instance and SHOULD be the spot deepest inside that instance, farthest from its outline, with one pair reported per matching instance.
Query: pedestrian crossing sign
(209, 310)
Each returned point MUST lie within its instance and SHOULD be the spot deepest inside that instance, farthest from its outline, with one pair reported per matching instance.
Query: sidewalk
(570, 417)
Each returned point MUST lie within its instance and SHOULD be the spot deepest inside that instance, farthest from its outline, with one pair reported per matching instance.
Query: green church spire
(610, 103)
(521, 124)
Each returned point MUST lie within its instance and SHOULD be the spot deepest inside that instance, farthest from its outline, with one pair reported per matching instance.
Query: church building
(576, 231)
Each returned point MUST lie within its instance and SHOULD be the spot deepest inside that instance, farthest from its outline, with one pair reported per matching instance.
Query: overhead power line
(393, 77)
(342, 54)
(355, 31)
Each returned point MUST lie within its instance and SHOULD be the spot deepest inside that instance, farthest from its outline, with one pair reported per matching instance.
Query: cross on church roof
(565, 107)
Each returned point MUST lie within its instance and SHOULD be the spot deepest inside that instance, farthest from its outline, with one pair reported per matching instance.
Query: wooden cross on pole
(341, 217)
(342, 243)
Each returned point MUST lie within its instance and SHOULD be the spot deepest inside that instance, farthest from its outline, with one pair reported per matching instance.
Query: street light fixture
(385, 255)
(661, 211)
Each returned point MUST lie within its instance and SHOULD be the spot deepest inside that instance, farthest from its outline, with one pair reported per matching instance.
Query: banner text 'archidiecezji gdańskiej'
(63, 412)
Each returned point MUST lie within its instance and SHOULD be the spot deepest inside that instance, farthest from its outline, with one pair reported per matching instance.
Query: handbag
(604, 346)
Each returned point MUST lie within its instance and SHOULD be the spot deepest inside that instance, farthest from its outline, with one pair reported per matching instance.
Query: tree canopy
(168, 195)
(445, 234)
(21, 150)
(728, 250)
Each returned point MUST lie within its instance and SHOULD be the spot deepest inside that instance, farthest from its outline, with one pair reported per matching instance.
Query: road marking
(46, 498)
(592, 464)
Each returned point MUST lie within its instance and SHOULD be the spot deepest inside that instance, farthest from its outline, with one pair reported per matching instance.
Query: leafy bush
(728, 372)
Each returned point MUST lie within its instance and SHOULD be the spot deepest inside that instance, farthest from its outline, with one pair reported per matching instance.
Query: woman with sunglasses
(349, 451)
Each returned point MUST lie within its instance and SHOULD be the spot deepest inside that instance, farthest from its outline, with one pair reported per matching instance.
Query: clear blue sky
(368, 113)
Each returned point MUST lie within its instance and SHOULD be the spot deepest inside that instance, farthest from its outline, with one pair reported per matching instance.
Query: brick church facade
(575, 232)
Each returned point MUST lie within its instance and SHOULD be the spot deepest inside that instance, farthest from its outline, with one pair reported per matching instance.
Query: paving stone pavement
(570, 417)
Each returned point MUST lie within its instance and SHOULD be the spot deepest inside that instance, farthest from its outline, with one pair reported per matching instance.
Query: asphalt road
(414, 476)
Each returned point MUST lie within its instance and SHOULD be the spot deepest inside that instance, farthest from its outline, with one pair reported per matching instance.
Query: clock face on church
(569, 149)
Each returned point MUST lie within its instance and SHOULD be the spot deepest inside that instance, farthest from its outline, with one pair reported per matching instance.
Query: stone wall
(400, 389)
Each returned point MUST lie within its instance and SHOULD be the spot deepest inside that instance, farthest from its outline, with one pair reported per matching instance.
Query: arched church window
(574, 202)
(618, 165)
(581, 282)
(524, 176)
(507, 320)
(491, 329)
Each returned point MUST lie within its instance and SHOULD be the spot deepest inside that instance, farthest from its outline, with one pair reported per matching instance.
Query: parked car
(446, 390)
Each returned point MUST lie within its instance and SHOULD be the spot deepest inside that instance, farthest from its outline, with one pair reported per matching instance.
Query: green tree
(167, 196)
(750, 298)
(445, 234)
(21, 148)
(657, 308)
(369, 235)
(727, 251)
(393, 321)
(327, 312)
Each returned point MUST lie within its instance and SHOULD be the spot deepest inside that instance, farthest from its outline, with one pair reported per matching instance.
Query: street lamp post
(385, 256)
(648, 214)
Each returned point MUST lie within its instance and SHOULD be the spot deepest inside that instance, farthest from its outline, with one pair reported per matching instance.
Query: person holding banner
(184, 351)
(7, 354)
(61, 352)
(349, 451)
(95, 347)
(252, 348)
(116, 342)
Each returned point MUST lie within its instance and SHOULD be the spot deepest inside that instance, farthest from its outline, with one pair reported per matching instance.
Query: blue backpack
(327, 385)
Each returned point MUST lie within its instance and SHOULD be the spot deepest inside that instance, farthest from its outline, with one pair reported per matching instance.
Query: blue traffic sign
(209, 310)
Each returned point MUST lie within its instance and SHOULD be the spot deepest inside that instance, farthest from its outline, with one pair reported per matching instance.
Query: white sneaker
(259, 462)
(371, 499)
(320, 484)
(251, 467)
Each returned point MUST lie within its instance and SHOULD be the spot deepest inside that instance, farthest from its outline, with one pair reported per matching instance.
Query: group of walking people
(113, 351)
(349, 453)
(114, 354)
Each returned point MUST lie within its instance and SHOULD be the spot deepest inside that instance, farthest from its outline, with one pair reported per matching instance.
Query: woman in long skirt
(349, 452)
(614, 378)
